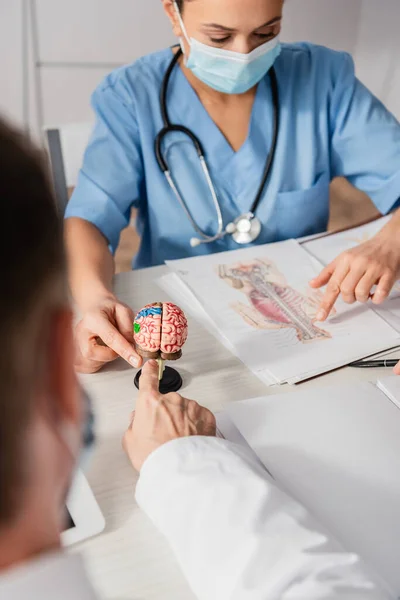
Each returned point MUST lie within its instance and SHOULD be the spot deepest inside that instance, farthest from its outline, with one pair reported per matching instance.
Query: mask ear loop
(182, 25)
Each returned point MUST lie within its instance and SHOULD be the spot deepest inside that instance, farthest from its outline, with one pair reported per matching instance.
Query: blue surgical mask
(226, 71)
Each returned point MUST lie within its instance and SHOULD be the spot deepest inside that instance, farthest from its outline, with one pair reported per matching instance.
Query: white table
(131, 560)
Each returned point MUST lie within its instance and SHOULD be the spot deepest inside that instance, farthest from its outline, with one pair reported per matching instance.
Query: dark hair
(33, 274)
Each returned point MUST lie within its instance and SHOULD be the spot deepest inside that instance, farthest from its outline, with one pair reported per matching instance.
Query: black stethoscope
(247, 227)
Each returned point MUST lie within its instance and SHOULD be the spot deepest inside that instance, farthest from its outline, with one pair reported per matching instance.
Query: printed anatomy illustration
(273, 303)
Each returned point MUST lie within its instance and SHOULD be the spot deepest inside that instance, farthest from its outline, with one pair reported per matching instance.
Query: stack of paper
(390, 386)
(257, 301)
(337, 451)
(327, 248)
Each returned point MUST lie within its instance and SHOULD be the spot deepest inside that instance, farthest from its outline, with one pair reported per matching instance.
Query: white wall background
(378, 50)
(11, 50)
(79, 41)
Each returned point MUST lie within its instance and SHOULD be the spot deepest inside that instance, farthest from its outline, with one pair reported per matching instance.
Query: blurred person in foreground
(234, 533)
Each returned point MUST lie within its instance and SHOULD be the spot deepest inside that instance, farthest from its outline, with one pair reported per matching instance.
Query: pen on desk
(374, 364)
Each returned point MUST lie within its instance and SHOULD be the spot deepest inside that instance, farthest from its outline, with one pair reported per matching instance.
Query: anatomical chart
(272, 303)
(260, 301)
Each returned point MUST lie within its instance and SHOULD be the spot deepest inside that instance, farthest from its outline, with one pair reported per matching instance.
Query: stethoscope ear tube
(179, 129)
(158, 149)
(204, 237)
(274, 144)
(164, 88)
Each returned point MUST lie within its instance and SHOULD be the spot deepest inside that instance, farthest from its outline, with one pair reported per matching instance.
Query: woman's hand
(355, 272)
(105, 333)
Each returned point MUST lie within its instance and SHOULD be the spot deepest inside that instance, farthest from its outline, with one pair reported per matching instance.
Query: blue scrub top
(330, 125)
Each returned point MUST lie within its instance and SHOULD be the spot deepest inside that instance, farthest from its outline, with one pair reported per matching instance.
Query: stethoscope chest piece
(245, 229)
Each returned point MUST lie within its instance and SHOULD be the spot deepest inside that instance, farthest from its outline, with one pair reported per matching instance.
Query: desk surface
(131, 560)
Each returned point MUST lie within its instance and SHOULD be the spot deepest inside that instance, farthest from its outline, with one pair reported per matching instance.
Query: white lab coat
(235, 534)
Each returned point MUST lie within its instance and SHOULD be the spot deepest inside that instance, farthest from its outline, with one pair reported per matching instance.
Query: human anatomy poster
(271, 302)
(259, 299)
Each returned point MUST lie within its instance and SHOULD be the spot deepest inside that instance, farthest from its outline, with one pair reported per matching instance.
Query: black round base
(171, 381)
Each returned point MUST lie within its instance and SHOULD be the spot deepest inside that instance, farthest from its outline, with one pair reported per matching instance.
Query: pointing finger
(116, 341)
(149, 383)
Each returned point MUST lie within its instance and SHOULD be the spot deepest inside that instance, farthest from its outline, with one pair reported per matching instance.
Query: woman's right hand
(105, 333)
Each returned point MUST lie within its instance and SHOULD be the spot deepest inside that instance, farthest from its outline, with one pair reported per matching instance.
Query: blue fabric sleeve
(365, 139)
(111, 178)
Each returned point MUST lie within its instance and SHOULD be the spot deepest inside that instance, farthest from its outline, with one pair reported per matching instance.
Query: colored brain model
(160, 331)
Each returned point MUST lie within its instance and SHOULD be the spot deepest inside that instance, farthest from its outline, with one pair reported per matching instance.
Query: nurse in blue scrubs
(222, 89)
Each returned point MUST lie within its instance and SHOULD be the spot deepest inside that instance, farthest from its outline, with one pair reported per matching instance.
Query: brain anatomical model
(160, 331)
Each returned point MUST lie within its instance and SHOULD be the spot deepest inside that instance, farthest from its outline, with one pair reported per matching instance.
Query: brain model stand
(160, 331)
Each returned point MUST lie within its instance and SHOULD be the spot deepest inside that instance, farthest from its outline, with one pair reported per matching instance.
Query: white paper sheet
(260, 301)
(390, 386)
(337, 451)
(328, 248)
(390, 310)
(228, 430)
